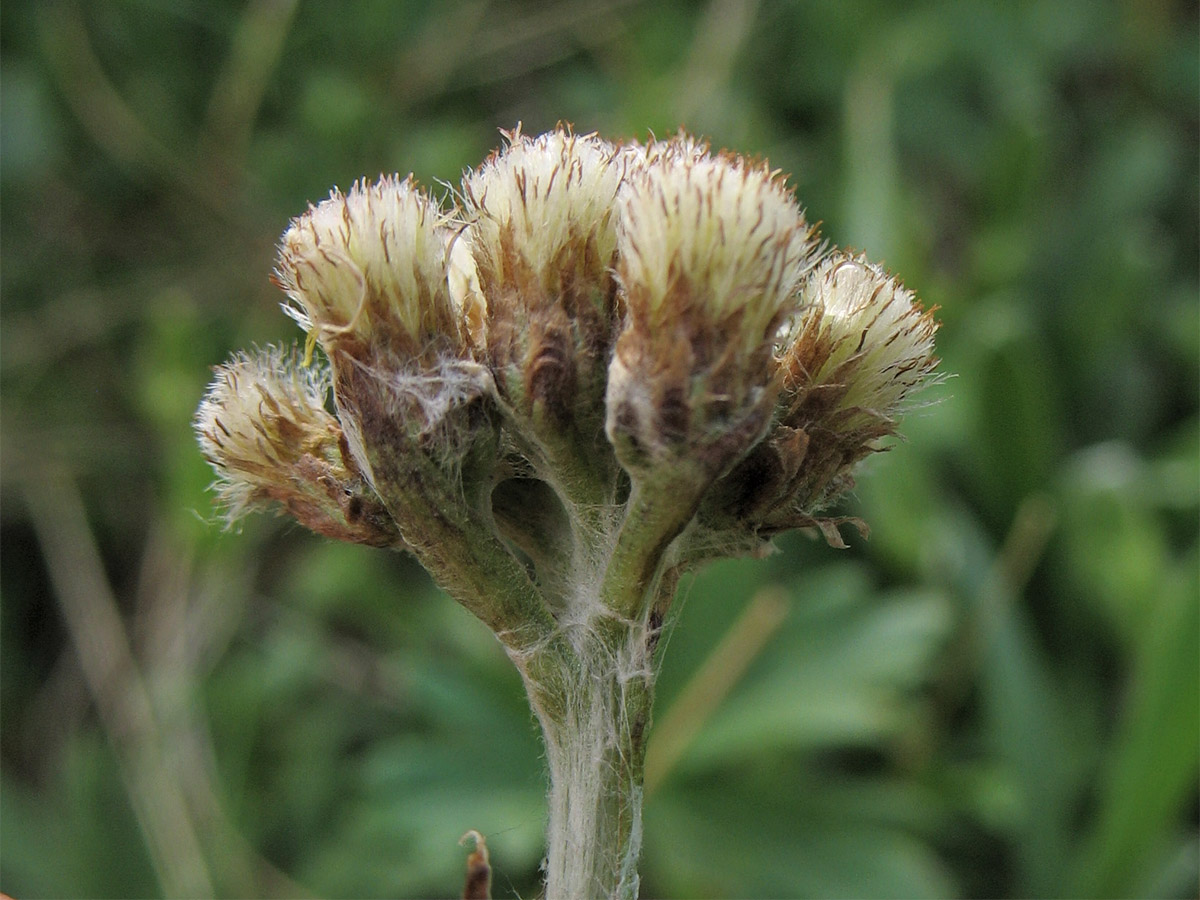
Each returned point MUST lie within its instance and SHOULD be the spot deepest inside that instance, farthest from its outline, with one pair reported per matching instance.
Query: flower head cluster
(603, 365)
(648, 331)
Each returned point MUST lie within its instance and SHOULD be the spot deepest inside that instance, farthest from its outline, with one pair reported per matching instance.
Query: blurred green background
(997, 695)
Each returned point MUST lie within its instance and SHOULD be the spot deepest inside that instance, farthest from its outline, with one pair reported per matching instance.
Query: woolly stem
(594, 709)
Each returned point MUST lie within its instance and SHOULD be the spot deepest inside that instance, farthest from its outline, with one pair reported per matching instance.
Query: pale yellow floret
(372, 258)
(541, 194)
(466, 296)
(718, 234)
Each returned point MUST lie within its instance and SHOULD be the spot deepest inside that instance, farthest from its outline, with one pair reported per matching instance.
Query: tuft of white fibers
(537, 195)
(877, 327)
(426, 397)
(367, 261)
(261, 413)
(719, 234)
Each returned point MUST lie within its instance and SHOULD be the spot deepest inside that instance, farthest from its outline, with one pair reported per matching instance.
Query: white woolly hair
(551, 190)
(386, 239)
(730, 228)
(875, 320)
(254, 421)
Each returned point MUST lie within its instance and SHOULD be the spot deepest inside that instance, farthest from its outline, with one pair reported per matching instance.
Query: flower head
(540, 226)
(264, 428)
(858, 347)
(542, 208)
(711, 251)
(368, 270)
(719, 239)
(862, 338)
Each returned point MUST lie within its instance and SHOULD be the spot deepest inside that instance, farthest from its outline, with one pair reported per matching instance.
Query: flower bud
(541, 230)
(859, 346)
(264, 428)
(862, 341)
(367, 271)
(711, 253)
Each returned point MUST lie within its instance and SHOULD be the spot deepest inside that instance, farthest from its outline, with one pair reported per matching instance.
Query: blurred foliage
(996, 695)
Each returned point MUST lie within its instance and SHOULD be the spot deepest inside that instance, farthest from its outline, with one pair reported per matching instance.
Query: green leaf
(1155, 763)
(835, 675)
(813, 840)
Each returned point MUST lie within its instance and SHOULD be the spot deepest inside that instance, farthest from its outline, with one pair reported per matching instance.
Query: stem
(595, 711)
(656, 512)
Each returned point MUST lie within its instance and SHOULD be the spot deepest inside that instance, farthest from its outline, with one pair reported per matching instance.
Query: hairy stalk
(595, 723)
